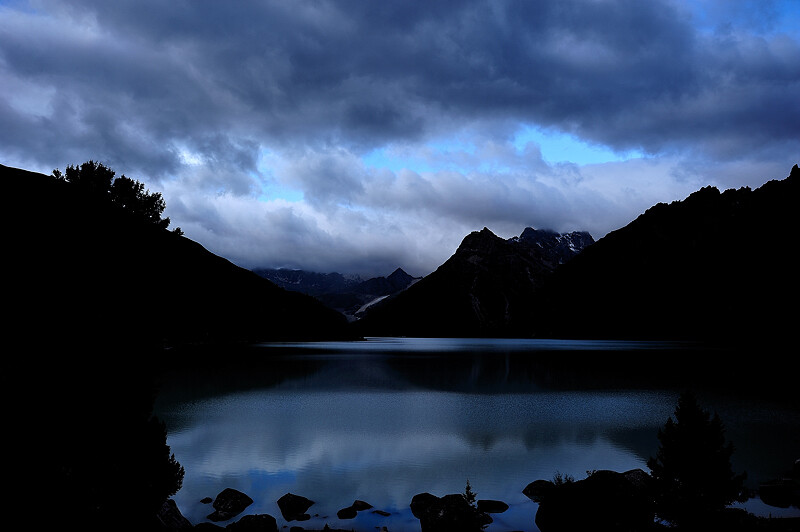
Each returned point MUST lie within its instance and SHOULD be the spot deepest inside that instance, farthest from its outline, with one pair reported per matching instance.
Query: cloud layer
(362, 136)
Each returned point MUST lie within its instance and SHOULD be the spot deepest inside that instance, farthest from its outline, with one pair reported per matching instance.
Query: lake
(387, 418)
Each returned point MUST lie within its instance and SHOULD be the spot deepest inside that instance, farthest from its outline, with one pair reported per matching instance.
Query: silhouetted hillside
(487, 288)
(718, 266)
(82, 271)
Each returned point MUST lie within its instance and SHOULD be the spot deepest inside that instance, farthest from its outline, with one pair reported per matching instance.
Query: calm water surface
(385, 419)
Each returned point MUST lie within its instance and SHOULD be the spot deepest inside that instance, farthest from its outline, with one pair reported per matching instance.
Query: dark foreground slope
(486, 289)
(81, 270)
(718, 266)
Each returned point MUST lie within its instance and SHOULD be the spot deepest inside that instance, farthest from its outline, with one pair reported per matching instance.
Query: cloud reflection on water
(384, 421)
(385, 447)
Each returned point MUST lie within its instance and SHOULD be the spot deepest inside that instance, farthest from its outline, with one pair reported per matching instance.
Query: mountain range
(349, 295)
(716, 265)
(487, 288)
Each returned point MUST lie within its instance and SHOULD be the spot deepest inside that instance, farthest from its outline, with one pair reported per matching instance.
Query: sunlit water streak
(358, 427)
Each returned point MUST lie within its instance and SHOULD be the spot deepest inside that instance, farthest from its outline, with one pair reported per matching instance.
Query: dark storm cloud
(191, 95)
(362, 73)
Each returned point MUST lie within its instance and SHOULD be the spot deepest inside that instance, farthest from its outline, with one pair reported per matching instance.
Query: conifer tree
(692, 472)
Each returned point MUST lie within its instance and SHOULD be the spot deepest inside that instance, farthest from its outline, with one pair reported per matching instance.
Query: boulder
(360, 506)
(451, 513)
(254, 523)
(421, 502)
(538, 489)
(228, 504)
(492, 507)
(293, 507)
(606, 500)
(347, 513)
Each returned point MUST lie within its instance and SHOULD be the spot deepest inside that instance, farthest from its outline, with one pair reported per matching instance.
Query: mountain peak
(398, 274)
(530, 232)
(483, 241)
(483, 234)
(558, 248)
(486, 287)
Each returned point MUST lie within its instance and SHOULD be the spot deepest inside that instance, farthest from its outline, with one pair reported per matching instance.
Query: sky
(361, 136)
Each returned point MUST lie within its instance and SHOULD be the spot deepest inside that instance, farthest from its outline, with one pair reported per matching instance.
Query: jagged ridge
(716, 266)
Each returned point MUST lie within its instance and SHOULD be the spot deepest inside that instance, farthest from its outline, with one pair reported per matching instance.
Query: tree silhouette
(470, 495)
(97, 182)
(93, 178)
(161, 474)
(101, 449)
(692, 473)
(131, 196)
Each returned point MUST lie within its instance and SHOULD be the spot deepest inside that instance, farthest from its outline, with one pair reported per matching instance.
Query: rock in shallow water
(293, 507)
(351, 511)
(491, 506)
(229, 503)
